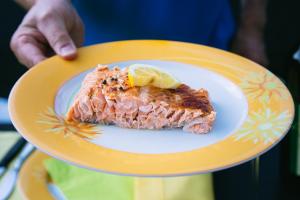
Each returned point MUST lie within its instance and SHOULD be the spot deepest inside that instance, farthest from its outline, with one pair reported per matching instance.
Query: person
(61, 26)
(54, 26)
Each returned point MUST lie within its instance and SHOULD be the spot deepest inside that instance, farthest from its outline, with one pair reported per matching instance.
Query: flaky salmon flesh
(106, 97)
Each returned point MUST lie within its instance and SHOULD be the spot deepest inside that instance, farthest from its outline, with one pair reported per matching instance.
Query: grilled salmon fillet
(106, 97)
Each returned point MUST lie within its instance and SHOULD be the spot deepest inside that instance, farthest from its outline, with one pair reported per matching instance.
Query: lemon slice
(142, 75)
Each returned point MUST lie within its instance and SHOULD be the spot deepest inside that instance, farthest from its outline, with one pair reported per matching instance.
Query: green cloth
(82, 184)
(7, 139)
(78, 183)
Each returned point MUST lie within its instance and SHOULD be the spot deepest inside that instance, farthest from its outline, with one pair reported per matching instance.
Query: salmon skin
(106, 97)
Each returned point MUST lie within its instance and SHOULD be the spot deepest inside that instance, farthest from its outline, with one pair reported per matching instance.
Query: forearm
(27, 4)
(253, 16)
(249, 38)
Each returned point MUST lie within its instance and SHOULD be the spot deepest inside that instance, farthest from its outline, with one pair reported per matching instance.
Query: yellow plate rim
(217, 156)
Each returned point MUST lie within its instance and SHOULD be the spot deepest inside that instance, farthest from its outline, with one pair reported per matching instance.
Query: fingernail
(67, 50)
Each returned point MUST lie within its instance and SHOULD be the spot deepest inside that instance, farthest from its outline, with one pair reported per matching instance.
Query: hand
(50, 26)
(250, 44)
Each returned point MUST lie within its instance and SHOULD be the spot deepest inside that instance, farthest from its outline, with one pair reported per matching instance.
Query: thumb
(58, 37)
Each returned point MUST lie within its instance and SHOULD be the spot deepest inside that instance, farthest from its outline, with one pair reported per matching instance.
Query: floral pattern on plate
(58, 124)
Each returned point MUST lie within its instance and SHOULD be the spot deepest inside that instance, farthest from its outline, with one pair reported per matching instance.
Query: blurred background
(279, 168)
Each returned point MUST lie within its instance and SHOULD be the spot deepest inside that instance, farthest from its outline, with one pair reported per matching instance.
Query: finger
(258, 56)
(77, 33)
(28, 50)
(58, 37)
(36, 55)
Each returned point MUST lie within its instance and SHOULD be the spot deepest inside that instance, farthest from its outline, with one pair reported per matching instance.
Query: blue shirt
(208, 22)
